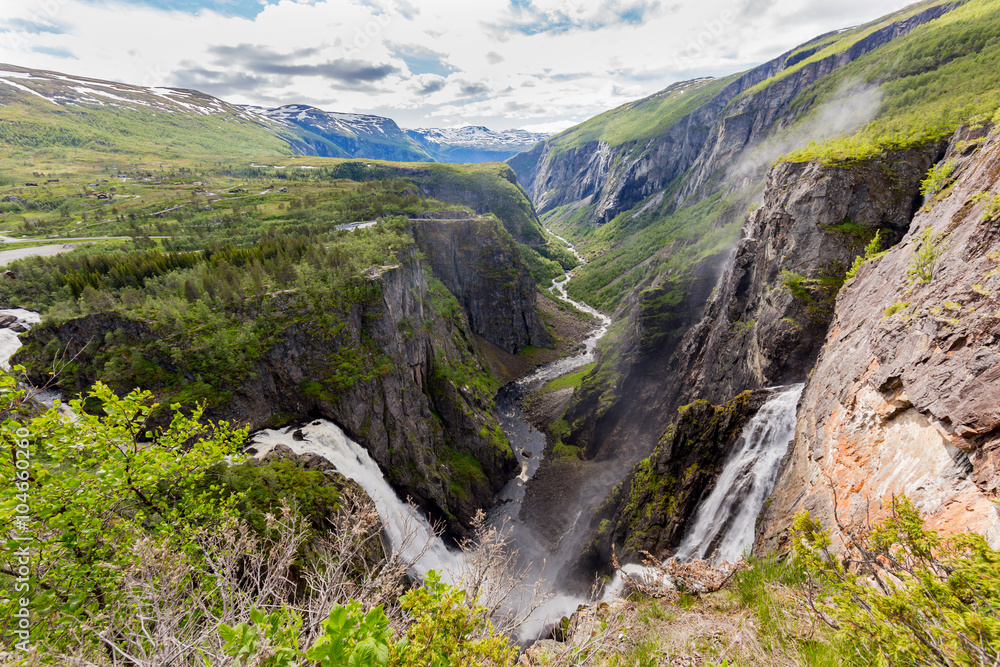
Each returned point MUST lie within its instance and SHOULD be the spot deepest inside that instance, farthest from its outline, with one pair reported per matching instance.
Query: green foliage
(911, 597)
(872, 251)
(444, 630)
(938, 177)
(941, 75)
(754, 587)
(448, 630)
(642, 119)
(98, 485)
(261, 488)
(271, 641)
(542, 269)
(353, 639)
(34, 125)
(992, 209)
(795, 284)
(676, 241)
(896, 307)
(568, 380)
(930, 247)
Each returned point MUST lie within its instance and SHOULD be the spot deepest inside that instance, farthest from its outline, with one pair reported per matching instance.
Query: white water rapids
(9, 342)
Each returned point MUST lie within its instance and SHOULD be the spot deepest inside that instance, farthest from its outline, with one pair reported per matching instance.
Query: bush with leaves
(872, 251)
(925, 257)
(97, 484)
(903, 595)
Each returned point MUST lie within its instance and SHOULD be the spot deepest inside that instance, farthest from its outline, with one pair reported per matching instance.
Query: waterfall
(724, 524)
(409, 531)
(9, 342)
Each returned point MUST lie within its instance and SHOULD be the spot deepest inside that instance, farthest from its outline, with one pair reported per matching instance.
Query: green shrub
(925, 257)
(871, 252)
(902, 595)
(895, 308)
(938, 177)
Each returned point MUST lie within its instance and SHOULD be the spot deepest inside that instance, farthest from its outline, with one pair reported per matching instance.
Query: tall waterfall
(724, 524)
(409, 531)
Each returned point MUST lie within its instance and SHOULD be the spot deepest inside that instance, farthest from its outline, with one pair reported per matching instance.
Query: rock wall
(905, 392)
(756, 319)
(480, 265)
(649, 510)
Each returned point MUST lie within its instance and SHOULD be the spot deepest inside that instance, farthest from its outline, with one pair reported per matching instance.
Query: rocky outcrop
(648, 511)
(904, 396)
(702, 143)
(481, 266)
(398, 371)
(770, 312)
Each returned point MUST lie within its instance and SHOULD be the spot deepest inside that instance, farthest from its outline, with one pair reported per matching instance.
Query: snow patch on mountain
(477, 136)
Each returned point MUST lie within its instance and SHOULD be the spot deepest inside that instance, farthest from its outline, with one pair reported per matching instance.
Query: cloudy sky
(538, 64)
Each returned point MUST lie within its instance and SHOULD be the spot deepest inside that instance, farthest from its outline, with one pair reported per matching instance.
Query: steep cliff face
(702, 335)
(649, 510)
(769, 315)
(904, 395)
(717, 121)
(398, 371)
(481, 267)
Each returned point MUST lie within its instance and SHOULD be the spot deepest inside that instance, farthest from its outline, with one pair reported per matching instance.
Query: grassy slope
(941, 75)
(32, 128)
(643, 119)
(944, 74)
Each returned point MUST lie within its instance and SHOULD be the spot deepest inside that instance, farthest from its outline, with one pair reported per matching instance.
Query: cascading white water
(725, 521)
(409, 531)
(724, 525)
(9, 342)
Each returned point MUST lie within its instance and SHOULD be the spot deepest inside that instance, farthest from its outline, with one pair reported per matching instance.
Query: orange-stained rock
(909, 401)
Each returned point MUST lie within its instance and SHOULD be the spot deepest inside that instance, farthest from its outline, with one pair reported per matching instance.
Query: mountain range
(105, 113)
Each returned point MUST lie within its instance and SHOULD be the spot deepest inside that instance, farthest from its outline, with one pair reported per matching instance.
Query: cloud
(853, 105)
(529, 19)
(31, 26)
(421, 60)
(54, 51)
(216, 82)
(431, 87)
(473, 89)
(262, 60)
(247, 9)
(499, 63)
